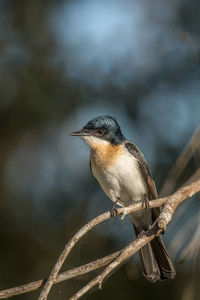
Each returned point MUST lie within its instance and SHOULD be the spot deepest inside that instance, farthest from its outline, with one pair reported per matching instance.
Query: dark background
(61, 64)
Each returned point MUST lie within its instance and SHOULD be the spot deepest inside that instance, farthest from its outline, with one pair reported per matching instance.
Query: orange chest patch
(105, 155)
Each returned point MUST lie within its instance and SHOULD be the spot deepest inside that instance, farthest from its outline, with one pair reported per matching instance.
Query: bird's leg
(145, 202)
(114, 210)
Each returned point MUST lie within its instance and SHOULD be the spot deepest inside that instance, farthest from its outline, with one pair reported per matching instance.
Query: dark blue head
(104, 127)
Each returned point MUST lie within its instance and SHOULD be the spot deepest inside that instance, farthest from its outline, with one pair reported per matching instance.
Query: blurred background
(61, 64)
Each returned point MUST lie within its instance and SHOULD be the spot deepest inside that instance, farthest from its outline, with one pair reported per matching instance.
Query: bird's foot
(114, 211)
(145, 203)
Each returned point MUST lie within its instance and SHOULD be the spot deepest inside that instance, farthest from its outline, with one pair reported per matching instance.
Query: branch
(194, 176)
(165, 217)
(32, 286)
(128, 251)
(68, 247)
(174, 200)
(180, 164)
(170, 203)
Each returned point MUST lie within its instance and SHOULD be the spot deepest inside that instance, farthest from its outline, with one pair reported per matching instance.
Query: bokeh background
(61, 64)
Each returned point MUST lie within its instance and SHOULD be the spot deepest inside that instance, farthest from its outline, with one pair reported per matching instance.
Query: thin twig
(180, 164)
(68, 247)
(192, 225)
(194, 176)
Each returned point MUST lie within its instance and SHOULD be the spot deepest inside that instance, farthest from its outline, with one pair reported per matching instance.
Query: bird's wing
(146, 173)
(91, 168)
(91, 171)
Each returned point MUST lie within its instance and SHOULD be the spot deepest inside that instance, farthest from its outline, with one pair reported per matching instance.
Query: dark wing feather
(90, 167)
(146, 173)
(91, 171)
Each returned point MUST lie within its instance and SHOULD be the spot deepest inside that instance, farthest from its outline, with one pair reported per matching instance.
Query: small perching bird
(123, 173)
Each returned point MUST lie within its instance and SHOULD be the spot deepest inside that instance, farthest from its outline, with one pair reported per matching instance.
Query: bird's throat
(105, 155)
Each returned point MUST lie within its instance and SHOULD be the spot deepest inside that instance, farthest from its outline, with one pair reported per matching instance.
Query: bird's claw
(114, 211)
(145, 203)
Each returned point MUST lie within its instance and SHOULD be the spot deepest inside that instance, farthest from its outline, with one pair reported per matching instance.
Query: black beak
(79, 133)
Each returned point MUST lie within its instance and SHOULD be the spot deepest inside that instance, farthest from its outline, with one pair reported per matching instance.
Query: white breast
(122, 182)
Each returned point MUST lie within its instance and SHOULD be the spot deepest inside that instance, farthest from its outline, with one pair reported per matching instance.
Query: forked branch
(113, 260)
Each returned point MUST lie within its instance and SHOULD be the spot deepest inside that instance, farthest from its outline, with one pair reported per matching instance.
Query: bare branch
(192, 225)
(68, 247)
(180, 164)
(194, 176)
(128, 251)
(170, 203)
(32, 286)
(175, 199)
(66, 251)
(165, 217)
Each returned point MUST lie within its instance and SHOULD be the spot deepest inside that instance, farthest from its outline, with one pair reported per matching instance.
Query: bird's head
(99, 130)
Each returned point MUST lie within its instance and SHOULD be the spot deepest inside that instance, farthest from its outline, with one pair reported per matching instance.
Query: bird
(123, 173)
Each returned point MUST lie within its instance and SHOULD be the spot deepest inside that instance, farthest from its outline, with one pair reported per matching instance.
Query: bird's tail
(157, 265)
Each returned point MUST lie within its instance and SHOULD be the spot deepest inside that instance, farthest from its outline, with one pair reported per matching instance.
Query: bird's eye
(100, 131)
